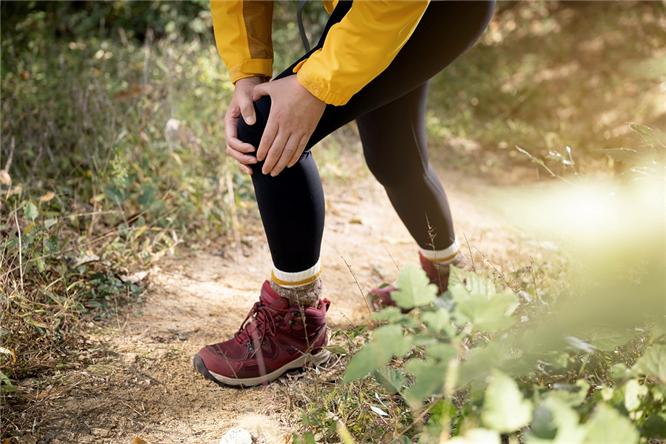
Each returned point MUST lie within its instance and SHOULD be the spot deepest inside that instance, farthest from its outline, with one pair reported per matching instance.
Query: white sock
(301, 288)
(442, 257)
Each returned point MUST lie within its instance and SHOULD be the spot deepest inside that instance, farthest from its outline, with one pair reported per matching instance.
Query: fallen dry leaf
(86, 258)
(5, 178)
(47, 197)
(134, 278)
(16, 190)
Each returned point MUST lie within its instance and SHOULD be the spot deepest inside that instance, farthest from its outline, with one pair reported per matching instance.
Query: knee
(252, 133)
(388, 171)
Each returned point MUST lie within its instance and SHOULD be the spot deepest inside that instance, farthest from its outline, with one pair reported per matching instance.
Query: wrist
(307, 91)
(320, 89)
(251, 80)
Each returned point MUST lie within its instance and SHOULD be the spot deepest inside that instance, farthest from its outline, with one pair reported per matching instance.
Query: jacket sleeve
(359, 48)
(243, 36)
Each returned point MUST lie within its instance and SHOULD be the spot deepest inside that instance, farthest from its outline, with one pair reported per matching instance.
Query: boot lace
(258, 322)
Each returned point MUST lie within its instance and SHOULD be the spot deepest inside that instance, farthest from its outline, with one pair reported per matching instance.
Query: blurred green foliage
(547, 76)
(96, 171)
(26, 20)
(590, 368)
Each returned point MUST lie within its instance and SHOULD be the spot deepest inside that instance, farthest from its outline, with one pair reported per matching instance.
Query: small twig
(95, 213)
(4, 173)
(150, 377)
(395, 263)
(231, 201)
(131, 408)
(471, 256)
(431, 235)
(365, 300)
(499, 272)
(541, 163)
(11, 155)
(20, 249)
(422, 414)
(146, 55)
(93, 219)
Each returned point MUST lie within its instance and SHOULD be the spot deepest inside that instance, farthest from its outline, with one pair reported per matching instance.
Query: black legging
(390, 112)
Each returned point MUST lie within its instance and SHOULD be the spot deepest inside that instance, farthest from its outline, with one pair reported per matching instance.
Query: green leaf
(437, 320)
(148, 196)
(486, 310)
(306, 438)
(414, 288)
(618, 371)
(114, 193)
(428, 379)
(337, 349)
(366, 360)
(6, 385)
(571, 394)
(477, 436)
(504, 408)
(482, 359)
(391, 339)
(652, 363)
(607, 426)
(633, 393)
(609, 339)
(555, 423)
(388, 314)
(655, 426)
(30, 211)
(442, 410)
(41, 265)
(390, 378)
(387, 341)
(441, 352)
(471, 280)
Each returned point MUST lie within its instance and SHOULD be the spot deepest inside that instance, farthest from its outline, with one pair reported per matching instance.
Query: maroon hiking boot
(380, 297)
(274, 338)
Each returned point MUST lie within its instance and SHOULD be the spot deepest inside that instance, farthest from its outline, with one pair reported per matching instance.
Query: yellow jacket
(355, 51)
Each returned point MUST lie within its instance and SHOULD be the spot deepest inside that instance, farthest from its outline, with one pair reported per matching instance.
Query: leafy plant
(436, 350)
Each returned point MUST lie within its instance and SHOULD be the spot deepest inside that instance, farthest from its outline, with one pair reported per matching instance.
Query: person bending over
(371, 64)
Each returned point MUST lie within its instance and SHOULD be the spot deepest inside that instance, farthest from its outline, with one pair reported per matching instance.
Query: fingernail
(250, 121)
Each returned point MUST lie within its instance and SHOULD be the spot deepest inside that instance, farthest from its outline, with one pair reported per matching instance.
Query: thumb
(263, 89)
(247, 111)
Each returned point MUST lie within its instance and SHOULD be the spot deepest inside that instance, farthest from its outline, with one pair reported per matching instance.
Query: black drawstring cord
(301, 28)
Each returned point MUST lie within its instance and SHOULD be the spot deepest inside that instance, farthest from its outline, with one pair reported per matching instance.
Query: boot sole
(317, 358)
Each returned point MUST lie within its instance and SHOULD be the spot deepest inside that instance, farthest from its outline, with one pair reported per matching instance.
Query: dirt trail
(143, 385)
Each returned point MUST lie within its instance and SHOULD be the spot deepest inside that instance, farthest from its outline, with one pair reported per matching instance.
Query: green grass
(94, 175)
